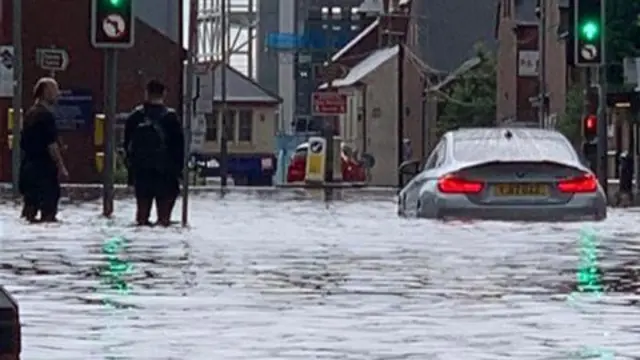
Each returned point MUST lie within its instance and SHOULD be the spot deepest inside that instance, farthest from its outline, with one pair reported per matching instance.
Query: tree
(622, 35)
(470, 99)
(570, 122)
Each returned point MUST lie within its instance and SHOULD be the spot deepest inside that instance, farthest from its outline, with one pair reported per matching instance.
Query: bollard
(10, 330)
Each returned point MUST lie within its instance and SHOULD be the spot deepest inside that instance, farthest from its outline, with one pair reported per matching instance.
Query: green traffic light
(589, 30)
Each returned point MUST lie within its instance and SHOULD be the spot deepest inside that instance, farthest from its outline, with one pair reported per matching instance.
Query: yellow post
(98, 130)
(10, 118)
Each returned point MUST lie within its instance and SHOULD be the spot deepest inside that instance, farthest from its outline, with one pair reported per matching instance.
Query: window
(436, 157)
(487, 149)
(245, 125)
(211, 132)
(230, 119)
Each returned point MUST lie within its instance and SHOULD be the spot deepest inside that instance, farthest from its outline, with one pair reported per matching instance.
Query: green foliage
(622, 35)
(470, 100)
(570, 122)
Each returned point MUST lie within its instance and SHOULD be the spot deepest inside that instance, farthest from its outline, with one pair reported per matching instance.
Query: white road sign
(6, 71)
(589, 52)
(198, 132)
(114, 26)
(203, 91)
(52, 59)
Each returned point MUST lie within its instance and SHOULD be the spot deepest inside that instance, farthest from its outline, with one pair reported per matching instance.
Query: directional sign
(589, 52)
(329, 103)
(52, 59)
(114, 26)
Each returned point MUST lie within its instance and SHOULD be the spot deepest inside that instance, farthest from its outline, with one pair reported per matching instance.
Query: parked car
(502, 174)
(352, 170)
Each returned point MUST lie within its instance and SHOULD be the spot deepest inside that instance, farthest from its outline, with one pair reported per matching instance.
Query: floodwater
(274, 278)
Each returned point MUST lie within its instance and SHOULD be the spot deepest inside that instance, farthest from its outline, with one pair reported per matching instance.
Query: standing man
(42, 166)
(154, 146)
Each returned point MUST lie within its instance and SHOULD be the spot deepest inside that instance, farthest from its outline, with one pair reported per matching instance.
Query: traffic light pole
(16, 101)
(542, 71)
(110, 78)
(224, 139)
(602, 146)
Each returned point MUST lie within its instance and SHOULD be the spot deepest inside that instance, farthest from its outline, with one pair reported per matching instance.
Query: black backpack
(148, 147)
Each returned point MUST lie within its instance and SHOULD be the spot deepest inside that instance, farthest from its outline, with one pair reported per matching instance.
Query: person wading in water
(42, 166)
(154, 146)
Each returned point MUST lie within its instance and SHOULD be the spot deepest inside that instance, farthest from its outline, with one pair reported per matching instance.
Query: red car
(352, 171)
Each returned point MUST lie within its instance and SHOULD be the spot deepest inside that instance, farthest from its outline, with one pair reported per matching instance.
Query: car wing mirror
(408, 170)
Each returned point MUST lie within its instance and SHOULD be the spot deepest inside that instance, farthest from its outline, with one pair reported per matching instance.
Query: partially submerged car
(502, 174)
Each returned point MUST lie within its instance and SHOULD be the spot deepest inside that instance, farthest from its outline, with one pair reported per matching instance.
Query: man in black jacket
(154, 147)
(42, 166)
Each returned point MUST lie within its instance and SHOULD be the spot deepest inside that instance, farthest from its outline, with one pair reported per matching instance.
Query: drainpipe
(364, 118)
(400, 109)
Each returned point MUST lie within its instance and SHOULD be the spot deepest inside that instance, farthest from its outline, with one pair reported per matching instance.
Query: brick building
(518, 58)
(65, 25)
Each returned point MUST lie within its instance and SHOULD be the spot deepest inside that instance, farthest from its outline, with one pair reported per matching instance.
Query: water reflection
(294, 279)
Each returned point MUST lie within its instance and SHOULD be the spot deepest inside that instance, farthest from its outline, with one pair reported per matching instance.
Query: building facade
(322, 27)
(45, 25)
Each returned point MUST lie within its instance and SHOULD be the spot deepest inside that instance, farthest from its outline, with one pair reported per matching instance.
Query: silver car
(502, 174)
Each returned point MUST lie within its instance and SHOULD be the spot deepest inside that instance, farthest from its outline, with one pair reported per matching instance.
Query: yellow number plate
(521, 190)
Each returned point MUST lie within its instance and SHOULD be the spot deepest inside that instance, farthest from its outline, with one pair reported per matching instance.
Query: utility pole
(224, 139)
(17, 94)
(542, 53)
(189, 106)
(111, 93)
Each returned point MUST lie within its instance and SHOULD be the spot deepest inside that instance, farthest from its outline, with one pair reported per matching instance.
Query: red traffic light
(590, 122)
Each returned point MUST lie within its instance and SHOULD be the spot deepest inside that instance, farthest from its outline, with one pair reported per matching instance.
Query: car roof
(510, 143)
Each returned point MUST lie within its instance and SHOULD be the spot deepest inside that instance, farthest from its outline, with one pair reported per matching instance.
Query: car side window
(442, 151)
(434, 159)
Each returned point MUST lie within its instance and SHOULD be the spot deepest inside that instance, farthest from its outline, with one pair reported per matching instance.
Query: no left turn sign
(114, 26)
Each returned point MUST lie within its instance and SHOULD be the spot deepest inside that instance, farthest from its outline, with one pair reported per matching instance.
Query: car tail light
(298, 161)
(586, 183)
(451, 184)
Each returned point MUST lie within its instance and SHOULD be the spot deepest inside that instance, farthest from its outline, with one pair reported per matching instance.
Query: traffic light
(589, 32)
(112, 24)
(590, 128)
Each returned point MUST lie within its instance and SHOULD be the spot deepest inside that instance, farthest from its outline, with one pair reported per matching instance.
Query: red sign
(329, 103)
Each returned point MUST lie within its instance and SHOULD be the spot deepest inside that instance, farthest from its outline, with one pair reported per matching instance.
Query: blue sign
(74, 110)
(284, 41)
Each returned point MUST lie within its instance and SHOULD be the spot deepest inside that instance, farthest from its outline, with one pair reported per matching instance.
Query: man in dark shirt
(42, 165)
(154, 147)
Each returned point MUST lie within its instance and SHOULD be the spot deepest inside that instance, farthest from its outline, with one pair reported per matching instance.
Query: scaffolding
(241, 25)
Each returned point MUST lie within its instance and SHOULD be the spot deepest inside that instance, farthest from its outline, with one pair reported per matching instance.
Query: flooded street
(274, 278)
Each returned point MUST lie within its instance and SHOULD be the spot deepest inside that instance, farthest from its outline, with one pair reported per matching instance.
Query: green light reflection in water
(117, 268)
(589, 285)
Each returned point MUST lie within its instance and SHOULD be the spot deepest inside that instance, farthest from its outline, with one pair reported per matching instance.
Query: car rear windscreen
(501, 149)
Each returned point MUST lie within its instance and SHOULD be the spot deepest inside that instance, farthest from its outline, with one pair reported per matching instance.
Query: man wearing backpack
(154, 148)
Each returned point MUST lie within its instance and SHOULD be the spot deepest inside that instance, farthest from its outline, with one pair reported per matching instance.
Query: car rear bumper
(579, 209)
(512, 214)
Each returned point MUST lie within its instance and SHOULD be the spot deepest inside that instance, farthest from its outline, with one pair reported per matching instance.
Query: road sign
(114, 26)
(6, 71)
(198, 132)
(52, 59)
(329, 103)
(203, 88)
(74, 110)
(589, 52)
(316, 159)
